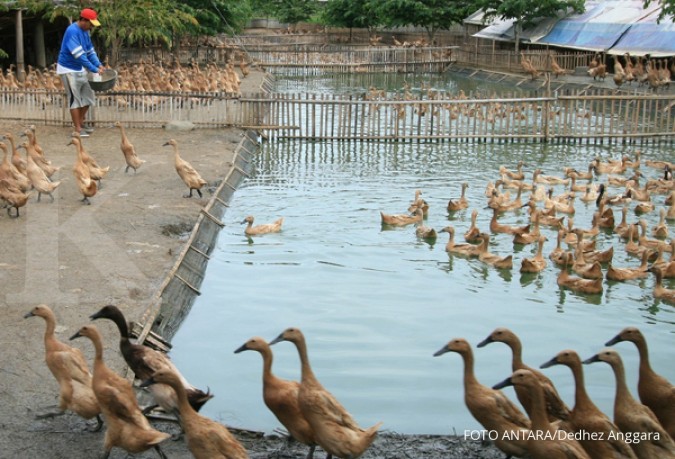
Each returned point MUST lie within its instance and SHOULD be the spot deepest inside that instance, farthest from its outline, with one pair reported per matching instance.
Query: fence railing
(579, 118)
(432, 115)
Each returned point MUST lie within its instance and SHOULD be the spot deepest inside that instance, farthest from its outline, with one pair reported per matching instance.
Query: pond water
(375, 303)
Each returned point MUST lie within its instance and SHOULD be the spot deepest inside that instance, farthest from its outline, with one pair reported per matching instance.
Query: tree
(293, 11)
(433, 15)
(351, 14)
(667, 8)
(218, 16)
(527, 12)
(128, 22)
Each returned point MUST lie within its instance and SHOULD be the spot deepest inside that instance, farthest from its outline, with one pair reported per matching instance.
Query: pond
(375, 303)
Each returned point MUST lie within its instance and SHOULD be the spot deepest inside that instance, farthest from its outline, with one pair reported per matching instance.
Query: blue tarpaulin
(600, 27)
(613, 26)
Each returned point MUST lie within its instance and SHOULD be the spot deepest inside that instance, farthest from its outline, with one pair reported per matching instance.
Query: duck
(70, 369)
(144, 361)
(667, 267)
(419, 202)
(85, 183)
(558, 255)
(265, 228)
(9, 172)
(205, 438)
(611, 200)
(624, 274)
(555, 407)
(13, 196)
(653, 389)
(660, 230)
(281, 396)
(96, 172)
(610, 167)
(642, 195)
(128, 150)
(473, 233)
(425, 232)
(644, 241)
(546, 218)
(601, 256)
(518, 175)
(661, 292)
(17, 160)
(577, 284)
(334, 428)
(461, 203)
(572, 172)
(552, 446)
(590, 194)
(670, 213)
(490, 258)
(496, 227)
(491, 408)
(186, 172)
(127, 428)
(632, 416)
(642, 208)
(622, 228)
(587, 270)
(39, 158)
(37, 177)
(587, 417)
(549, 179)
(514, 204)
(469, 250)
(402, 219)
(538, 262)
(530, 236)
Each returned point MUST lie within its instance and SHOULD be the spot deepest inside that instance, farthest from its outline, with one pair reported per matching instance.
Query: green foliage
(667, 8)
(293, 11)
(352, 14)
(218, 16)
(527, 12)
(433, 15)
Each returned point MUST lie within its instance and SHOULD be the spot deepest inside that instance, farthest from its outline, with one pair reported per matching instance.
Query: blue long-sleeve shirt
(77, 50)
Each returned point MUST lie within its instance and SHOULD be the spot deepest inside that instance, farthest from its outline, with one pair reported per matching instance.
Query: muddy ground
(77, 258)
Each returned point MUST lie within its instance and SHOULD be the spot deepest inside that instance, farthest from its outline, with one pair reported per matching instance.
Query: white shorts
(77, 89)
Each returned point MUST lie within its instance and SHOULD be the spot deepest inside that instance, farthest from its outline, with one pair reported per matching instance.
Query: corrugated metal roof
(600, 27)
(613, 26)
(648, 37)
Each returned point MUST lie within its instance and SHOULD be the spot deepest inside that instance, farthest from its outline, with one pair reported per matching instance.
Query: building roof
(614, 26)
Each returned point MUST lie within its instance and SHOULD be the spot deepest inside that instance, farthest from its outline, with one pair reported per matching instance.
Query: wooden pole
(20, 62)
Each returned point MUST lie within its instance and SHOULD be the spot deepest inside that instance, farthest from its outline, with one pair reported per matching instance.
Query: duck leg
(310, 454)
(160, 452)
(40, 194)
(188, 195)
(127, 169)
(10, 213)
(99, 424)
(85, 200)
(199, 192)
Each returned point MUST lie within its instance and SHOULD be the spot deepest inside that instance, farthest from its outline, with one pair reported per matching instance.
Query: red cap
(90, 15)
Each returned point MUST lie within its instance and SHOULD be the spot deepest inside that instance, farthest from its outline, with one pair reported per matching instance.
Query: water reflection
(375, 302)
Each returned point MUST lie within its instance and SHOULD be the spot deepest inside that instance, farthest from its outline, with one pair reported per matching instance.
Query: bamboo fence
(376, 116)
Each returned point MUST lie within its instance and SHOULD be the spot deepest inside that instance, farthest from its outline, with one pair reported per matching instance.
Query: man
(77, 56)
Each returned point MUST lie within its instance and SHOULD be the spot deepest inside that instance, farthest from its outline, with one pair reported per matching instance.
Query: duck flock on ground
(545, 427)
(21, 176)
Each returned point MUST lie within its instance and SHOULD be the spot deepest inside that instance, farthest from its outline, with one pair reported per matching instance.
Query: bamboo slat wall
(381, 117)
(598, 119)
(349, 59)
(139, 109)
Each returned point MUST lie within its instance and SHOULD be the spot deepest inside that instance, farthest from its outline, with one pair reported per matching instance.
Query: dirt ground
(77, 258)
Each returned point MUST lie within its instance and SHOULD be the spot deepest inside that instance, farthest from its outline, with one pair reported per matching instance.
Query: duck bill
(550, 363)
(507, 382)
